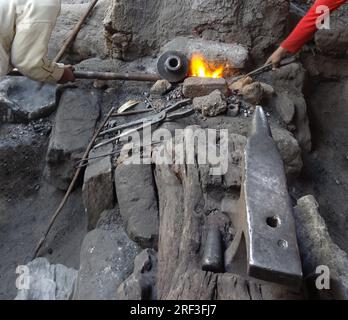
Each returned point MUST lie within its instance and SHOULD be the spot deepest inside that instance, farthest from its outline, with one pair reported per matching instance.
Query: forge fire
(200, 67)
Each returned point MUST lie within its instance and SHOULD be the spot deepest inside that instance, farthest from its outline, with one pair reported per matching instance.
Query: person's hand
(276, 57)
(68, 75)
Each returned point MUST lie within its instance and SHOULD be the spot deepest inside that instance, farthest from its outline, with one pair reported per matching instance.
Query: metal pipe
(95, 75)
(116, 76)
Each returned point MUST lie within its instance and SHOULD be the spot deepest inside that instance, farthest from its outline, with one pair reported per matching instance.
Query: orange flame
(199, 67)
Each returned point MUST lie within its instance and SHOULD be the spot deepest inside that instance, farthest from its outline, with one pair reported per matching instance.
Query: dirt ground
(27, 204)
(326, 168)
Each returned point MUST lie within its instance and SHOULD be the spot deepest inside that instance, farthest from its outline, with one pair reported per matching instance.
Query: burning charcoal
(198, 87)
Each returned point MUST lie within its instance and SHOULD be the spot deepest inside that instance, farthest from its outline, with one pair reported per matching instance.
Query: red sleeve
(306, 28)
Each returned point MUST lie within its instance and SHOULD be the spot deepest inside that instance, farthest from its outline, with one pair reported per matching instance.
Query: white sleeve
(4, 61)
(30, 44)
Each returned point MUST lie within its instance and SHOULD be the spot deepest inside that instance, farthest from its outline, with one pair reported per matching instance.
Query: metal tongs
(165, 115)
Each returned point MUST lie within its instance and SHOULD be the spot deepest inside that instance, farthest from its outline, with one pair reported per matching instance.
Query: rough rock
(198, 87)
(98, 188)
(109, 220)
(23, 100)
(90, 41)
(230, 54)
(141, 285)
(241, 83)
(328, 102)
(290, 152)
(324, 67)
(46, 281)
(161, 87)
(75, 122)
(318, 249)
(137, 198)
(285, 107)
(252, 93)
(289, 80)
(334, 41)
(107, 259)
(138, 28)
(268, 90)
(211, 105)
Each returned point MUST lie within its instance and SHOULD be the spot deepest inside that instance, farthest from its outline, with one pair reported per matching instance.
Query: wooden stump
(188, 203)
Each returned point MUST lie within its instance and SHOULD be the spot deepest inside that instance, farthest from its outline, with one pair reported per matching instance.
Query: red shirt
(306, 28)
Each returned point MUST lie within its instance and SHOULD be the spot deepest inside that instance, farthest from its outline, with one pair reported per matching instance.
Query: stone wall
(137, 28)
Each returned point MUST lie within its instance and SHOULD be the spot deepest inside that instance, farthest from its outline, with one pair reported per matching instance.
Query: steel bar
(212, 258)
(84, 163)
(116, 76)
(95, 75)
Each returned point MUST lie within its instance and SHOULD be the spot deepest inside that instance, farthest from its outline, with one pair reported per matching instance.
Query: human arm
(30, 45)
(304, 31)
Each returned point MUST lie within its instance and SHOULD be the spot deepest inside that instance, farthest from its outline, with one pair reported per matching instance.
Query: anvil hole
(273, 222)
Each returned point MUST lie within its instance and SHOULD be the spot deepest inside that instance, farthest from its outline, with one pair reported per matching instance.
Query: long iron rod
(116, 76)
(75, 31)
(72, 184)
(95, 75)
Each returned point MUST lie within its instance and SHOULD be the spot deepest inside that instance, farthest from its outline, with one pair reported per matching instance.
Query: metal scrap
(129, 104)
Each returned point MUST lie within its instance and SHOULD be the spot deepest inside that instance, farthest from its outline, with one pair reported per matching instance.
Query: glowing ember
(199, 67)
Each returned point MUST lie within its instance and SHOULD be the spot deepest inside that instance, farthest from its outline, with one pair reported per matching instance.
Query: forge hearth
(198, 87)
